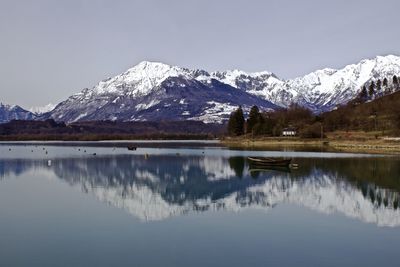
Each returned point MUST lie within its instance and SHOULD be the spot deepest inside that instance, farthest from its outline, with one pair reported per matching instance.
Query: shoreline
(328, 145)
(379, 146)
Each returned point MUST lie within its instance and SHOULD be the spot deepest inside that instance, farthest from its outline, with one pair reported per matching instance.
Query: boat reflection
(162, 186)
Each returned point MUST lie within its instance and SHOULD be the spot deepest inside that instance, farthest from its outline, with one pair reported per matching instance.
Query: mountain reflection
(162, 186)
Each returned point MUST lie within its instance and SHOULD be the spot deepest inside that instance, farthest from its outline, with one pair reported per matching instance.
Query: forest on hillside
(375, 109)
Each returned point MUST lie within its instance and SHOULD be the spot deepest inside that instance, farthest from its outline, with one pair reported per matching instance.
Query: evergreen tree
(395, 82)
(232, 124)
(363, 94)
(378, 85)
(371, 89)
(236, 123)
(385, 82)
(254, 118)
(239, 121)
(386, 86)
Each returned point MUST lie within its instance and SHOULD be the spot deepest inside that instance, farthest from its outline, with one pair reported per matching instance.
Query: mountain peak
(140, 79)
(14, 112)
(150, 65)
(141, 94)
(38, 110)
(389, 57)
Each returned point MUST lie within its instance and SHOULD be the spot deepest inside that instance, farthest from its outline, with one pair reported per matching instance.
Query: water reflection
(162, 186)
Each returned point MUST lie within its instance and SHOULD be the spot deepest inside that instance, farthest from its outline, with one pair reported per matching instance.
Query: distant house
(290, 131)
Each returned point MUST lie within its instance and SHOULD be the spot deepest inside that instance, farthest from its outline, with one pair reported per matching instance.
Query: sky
(52, 49)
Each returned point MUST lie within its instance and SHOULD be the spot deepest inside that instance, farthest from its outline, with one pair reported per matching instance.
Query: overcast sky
(51, 49)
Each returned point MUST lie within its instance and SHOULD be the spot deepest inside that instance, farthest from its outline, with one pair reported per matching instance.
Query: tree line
(272, 123)
(376, 108)
(378, 89)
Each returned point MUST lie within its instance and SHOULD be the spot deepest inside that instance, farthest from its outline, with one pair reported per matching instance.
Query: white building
(289, 132)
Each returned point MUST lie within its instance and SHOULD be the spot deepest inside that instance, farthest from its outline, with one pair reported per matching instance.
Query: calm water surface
(195, 206)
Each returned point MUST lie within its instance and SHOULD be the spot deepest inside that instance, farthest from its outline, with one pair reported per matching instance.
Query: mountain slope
(42, 109)
(323, 90)
(14, 112)
(319, 91)
(155, 91)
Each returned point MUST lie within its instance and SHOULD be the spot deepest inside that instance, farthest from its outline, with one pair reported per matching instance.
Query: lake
(194, 204)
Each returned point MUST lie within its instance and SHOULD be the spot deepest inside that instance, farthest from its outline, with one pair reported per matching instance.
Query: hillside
(381, 114)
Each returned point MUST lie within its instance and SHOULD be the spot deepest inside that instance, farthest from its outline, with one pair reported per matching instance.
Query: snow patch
(143, 106)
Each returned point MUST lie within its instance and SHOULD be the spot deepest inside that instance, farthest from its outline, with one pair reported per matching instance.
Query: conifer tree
(371, 89)
(232, 124)
(378, 85)
(385, 82)
(395, 82)
(236, 123)
(386, 86)
(363, 94)
(254, 118)
(239, 121)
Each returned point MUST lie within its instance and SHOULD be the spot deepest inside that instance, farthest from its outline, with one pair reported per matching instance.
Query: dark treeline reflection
(164, 185)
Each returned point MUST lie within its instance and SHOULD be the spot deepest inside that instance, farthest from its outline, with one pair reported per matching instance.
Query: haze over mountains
(153, 91)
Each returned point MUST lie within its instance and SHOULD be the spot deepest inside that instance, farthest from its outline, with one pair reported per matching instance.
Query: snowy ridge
(321, 90)
(153, 91)
(156, 91)
(141, 79)
(42, 109)
(14, 112)
(243, 80)
(327, 88)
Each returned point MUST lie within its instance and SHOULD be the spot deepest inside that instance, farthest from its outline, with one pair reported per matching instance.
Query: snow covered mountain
(319, 91)
(42, 109)
(325, 89)
(8, 112)
(156, 91)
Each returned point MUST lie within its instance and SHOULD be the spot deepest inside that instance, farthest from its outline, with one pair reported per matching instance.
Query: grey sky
(51, 49)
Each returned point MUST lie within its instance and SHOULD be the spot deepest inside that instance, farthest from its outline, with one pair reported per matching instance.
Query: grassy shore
(356, 142)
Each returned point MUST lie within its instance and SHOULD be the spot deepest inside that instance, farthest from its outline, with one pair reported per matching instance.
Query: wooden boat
(132, 148)
(264, 161)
